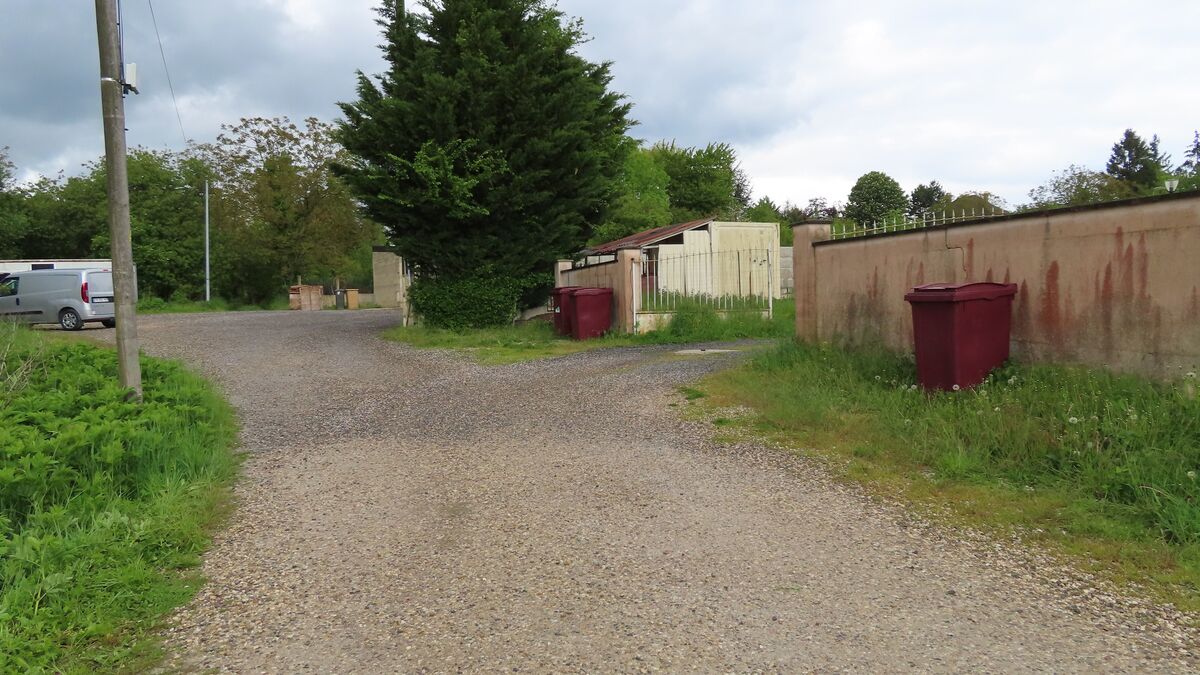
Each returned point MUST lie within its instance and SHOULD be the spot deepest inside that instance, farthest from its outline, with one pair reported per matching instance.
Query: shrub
(472, 302)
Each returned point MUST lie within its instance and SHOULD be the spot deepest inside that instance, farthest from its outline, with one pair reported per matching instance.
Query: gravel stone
(410, 511)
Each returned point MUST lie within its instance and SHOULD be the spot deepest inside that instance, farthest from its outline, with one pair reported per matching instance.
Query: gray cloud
(990, 95)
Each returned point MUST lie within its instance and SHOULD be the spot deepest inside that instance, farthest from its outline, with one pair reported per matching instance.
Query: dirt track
(409, 511)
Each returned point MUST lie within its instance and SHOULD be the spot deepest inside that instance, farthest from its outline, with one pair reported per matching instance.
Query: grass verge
(153, 305)
(1099, 466)
(105, 505)
(537, 340)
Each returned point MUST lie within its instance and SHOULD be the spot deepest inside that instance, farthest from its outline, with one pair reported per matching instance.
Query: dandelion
(912, 387)
(956, 387)
(1012, 380)
(1190, 376)
(1192, 475)
(1073, 420)
(996, 409)
(907, 423)
(878, 378)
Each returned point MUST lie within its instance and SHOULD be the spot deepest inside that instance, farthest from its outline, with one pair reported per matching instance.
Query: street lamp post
(207, 277)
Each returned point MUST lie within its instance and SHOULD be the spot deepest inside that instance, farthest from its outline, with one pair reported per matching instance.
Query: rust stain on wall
(971, 259)
(1050, 317)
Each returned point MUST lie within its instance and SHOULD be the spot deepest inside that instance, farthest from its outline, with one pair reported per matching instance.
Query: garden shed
(703, 258)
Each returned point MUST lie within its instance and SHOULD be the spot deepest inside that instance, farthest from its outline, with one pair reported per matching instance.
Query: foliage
(1109, 461)
(1077, 185)
(13, 221)
(276, 213)
(487, 142)
(874, 196)
(926, 198)
(281, 214)
(978, 202)
(461, 303)
(1134, 162)
(642, 202)
(1191, 157)
(102, 502)
(704, 182)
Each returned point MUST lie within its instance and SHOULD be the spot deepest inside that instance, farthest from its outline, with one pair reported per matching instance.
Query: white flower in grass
(912, 388)
(956, 387)
(996, 409)
(1012, 380)
(878, 378)
(1190, 376)
(1192, 475)
(1073, 420)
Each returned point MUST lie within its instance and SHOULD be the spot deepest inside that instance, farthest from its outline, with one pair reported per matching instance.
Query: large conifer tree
(489, 146)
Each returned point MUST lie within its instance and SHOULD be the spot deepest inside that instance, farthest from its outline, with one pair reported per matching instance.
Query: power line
(170, 85)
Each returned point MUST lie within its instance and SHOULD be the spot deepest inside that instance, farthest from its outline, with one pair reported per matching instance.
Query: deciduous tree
(874, 197)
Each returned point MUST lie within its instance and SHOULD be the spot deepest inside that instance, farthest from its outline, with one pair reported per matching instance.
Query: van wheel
(109, 323)
(69, 319)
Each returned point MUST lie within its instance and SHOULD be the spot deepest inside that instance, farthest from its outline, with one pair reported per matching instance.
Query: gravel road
(408, 511)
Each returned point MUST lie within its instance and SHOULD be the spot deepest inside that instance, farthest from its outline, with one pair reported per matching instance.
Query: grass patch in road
(537, 340)
(152, 305)
(105, 505)
(1099, 466)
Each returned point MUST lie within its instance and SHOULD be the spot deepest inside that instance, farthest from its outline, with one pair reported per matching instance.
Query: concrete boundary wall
(1114, 285)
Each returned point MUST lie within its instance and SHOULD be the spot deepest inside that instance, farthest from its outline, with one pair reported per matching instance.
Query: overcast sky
(986, 95)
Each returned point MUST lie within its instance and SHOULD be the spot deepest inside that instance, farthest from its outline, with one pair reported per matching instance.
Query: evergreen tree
(925, 197)
(1191, 161)
(489, 145)
(1134, 162)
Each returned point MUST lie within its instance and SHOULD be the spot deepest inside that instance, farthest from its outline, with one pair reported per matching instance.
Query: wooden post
(112, 103)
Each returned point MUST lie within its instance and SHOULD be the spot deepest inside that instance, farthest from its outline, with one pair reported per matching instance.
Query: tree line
(277, 214)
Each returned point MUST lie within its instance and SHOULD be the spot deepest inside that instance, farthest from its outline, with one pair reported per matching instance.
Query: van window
(8, 287)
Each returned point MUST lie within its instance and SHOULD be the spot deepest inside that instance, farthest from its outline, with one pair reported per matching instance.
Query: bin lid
(592, 291)
(946, 292)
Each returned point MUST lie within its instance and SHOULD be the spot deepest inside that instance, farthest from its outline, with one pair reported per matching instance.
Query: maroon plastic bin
(561, 298)
(591, 314)
(962, 332)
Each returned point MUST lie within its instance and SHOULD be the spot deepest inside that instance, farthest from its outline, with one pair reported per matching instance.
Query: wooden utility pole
(112, 102)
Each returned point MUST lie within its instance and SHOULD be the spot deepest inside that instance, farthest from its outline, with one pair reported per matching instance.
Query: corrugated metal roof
(645, 238)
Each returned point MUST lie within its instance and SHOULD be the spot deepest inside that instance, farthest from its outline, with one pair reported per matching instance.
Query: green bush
(103, 501)
(472, 302)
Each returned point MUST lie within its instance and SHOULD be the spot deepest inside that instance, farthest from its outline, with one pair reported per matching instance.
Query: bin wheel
(69, 319)
(109, 323)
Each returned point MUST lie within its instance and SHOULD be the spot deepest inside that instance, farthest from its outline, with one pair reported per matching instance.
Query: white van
(69, 298)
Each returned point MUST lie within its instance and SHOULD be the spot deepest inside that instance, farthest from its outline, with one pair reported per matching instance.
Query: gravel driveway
(408, 511)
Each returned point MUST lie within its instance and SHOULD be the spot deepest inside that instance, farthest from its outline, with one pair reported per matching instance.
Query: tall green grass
(1106, 464)
(105, 504)
(693, 322)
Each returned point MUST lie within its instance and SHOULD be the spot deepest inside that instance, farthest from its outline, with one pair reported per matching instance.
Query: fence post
(770, 288)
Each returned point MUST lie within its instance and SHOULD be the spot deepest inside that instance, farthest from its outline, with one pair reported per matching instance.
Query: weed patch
(104, 504)
(1100, 465)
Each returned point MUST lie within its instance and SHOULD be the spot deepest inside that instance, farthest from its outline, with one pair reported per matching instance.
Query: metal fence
(900, 224)
(725, 280)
